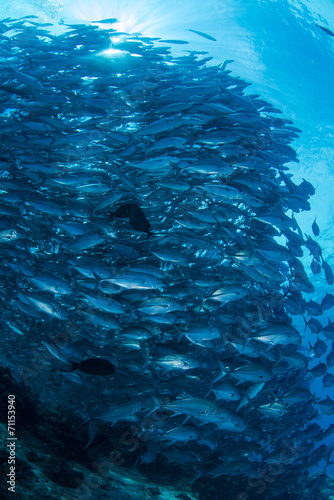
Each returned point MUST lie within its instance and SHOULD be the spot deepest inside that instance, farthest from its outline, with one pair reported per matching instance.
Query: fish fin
(179, 331)
(98, 279)
(86, 417)
(185, 420)
(328, 463)
(275, 398)
(92, 427)
(270, 346)
(156, 406)
(222, 373)
(250, 404)
(245, 342)
(280, 356)
(211, 389)
(75, 365)
(306, 323)
(147, 362)
(241, 405)
(132, 314)
(199, 474)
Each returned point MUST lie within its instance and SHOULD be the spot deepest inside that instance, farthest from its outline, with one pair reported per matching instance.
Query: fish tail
(306, 323)
(156, 406)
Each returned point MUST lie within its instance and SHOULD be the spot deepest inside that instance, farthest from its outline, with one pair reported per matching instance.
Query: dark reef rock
(51, 463)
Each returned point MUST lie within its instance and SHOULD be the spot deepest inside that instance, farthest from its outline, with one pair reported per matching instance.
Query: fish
(118, 412)
(330, 357)
(328, 273)
(10, 235)
(94, 366)
(278, 334)
(315, 228)
(228, 293)
(104, 304)
(328, 381)
(313, 308)
(85, 242)
(225, 391)
(318, 370)
(252, 372)
(204, 35)
(176, 362)
(273, 410)
(327, 302)
(203, 410)
(315, 267)
(137, 218)
(111, 20)
(178, 42)
(326, 30)
(319, 348)
(45, 305)
(250, 394)
(180, 434)
(52, 284)
(128, 279)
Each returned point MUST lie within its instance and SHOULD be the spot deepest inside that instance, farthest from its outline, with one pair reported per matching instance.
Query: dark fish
(315, 228)
(137, 217)
(313, 247)
(319, 370)
(329, 330)
(328, 272)
(330, 357)
(319, 348)
(326, 30)
(327, 302)
(106, 21)
(328, 381)
(315, 267)
(13, 90)
(94, 366)
(314, 325)
(178, 42)
(204, 35)
(307, 188)
(313, 308)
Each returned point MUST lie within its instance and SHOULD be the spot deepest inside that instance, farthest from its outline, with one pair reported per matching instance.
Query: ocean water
(277, 47)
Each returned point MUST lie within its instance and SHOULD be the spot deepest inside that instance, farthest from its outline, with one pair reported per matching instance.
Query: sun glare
(140, 16)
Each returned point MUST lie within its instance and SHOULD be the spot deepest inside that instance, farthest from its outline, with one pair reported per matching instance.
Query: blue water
(276, 46)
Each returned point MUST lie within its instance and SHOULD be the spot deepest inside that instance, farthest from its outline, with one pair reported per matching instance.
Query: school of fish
(150, 256)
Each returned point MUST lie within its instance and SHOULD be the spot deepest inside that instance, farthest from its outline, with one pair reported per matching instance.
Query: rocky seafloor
(52, 464)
